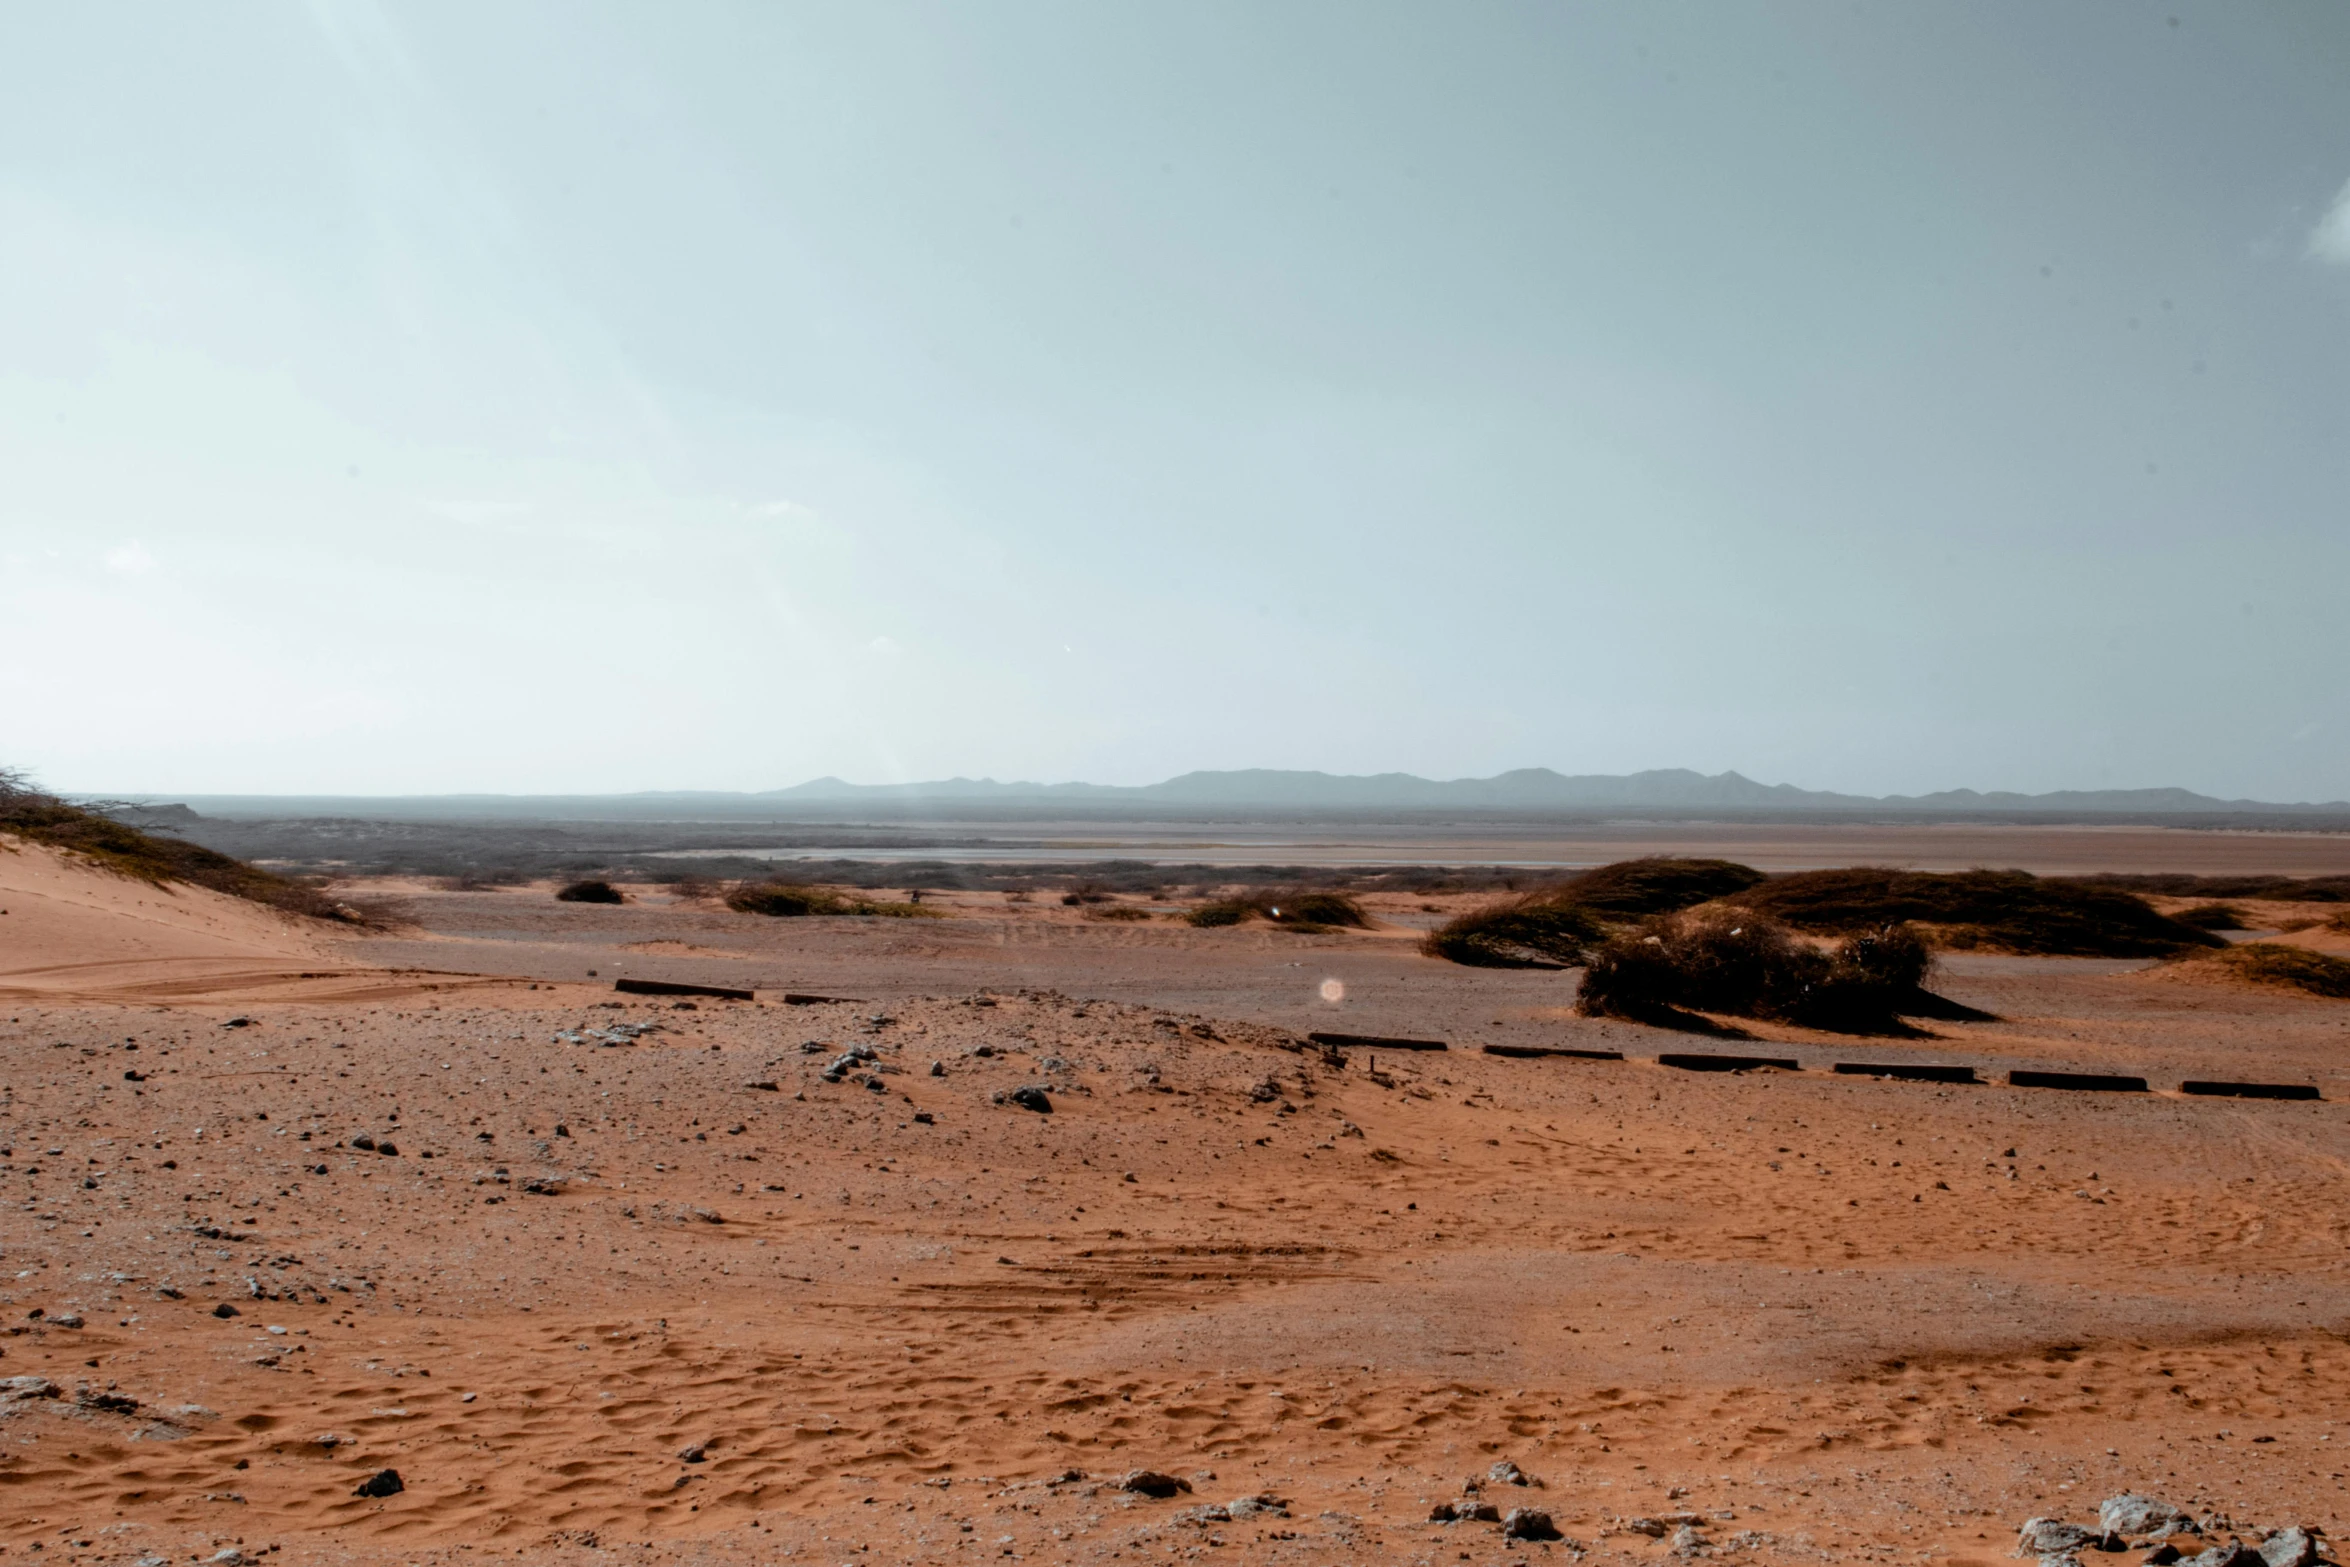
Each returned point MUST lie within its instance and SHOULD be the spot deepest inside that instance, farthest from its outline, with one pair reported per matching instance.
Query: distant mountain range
(1525, 789)
(1666, 792)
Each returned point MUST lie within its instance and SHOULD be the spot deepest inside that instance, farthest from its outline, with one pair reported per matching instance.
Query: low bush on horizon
(97, 838)
(1731, 961)
(2009, 911)
(790, 900)
(591, 891)
(2180, 884)
(1303, 910)
(2275, 963)
(1533, 930)
(1118, 913)
(2212, 916)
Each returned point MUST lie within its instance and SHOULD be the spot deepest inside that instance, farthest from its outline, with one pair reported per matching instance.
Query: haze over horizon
(421, 397)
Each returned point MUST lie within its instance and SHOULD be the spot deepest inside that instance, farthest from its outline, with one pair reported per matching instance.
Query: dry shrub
(1086, 892)
(2012, 911)
(1657, 884)
(1536, 930)
(2212, 916)
(788, 900)
(94, 836)
(590, 891)
(1297, 909)
(1731, 961)
(1124, 912)
(2275, 963)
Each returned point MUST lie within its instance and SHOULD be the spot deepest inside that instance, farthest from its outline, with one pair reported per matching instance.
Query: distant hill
(1672, 791)
(1526, 789)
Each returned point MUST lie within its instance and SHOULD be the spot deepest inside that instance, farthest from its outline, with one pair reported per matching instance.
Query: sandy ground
(672, 1295)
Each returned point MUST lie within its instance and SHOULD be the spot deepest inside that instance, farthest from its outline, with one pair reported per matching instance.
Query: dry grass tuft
(1658, 884)
(590, 892)
(1298, 909)
(2294, 968)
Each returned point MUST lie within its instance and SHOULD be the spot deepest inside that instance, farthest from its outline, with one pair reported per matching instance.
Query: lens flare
(1334, 991)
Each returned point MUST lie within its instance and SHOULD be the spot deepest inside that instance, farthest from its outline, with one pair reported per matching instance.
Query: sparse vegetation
(2212, 916)
(1731, 961)
(1302, 910)
(96, 837)
(1118, 912)
(2011, 911)
(1535, 930)
(791, 900)
(590, 892)
(2275, 963)
(1657, 884)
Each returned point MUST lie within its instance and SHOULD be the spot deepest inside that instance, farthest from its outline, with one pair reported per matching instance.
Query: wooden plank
(2084, 1082)
(1908, 1071)
(2252, 1090)
(1528, 1052)
(663, 987)
(1696, 1063)
(1376, 1042)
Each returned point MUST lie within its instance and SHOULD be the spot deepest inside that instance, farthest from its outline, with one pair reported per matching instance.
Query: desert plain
(616, 1277)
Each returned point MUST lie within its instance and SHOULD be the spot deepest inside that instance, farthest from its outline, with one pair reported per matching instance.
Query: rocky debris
(1530, 1523)
(14, 1390)
(2137, 1517)
(544, 1186)
(1688, 1542)
(1028, 1096)
(614, 1034)
(330, 1440)
(2290, 1546)
(841, 1065)
(112, 1403)
(1467, 1510)
(1263, 1504)
(224, 1309)
(384, 1482)
(232, 1557)
(1149, 1482)
(698, 1453)
(2161, 1556)
(2233, 1554)
(66, 1319)
(2046, 1537)
(1507, 1473)
(1658, 1527)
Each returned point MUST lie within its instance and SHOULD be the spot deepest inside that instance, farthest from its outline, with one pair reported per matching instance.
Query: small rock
(329, 1440)
(2161, 1556)
(938, 1069)
(384, 1482)
(388, 1149)
(2289, 1547)
(1528, 1523)
(363, 1143)
(2053, 1537)
(232, 1557)
(1507, 1473)
(1149, 1482)
(224, 1309)
(1654, 1528)
(695, 1454)
(1030, 1097)
(16, 1388)
(2140, 1517)
(66, 1319)
(2233, 1554)
(1262, 1504)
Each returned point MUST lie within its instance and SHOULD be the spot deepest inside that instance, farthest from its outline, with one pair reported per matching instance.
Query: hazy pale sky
(581, 397)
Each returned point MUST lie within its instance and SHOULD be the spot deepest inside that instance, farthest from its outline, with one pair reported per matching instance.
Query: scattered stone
(1149, 1482)
(2140, 1517)
(1528, 1523)
(224, 1309)
(1507, 1473)
(1030, 1097)
(112, 1403)
(66, 1319)
(17, 1389)
(364, 1143)
(1464, 1511)
(2233, 1554)
(384, 1482)
(544, 1186)
(330, 1440)
(2290, 1546)
(698, 1453)
(232, 1557)
(2161, 1556)
(2053, 1537)
(1263, 1504)
(1688, 1542)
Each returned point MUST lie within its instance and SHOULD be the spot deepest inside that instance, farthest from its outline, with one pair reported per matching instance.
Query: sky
(573, 397)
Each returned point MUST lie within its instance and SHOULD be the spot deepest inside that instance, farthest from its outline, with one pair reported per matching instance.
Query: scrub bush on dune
(590, 892)
(2293, 968)
(1294, 908)
(2011, 911)
(1730, 961)
(1538, 930)
(1657, 884)
(788, 900)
